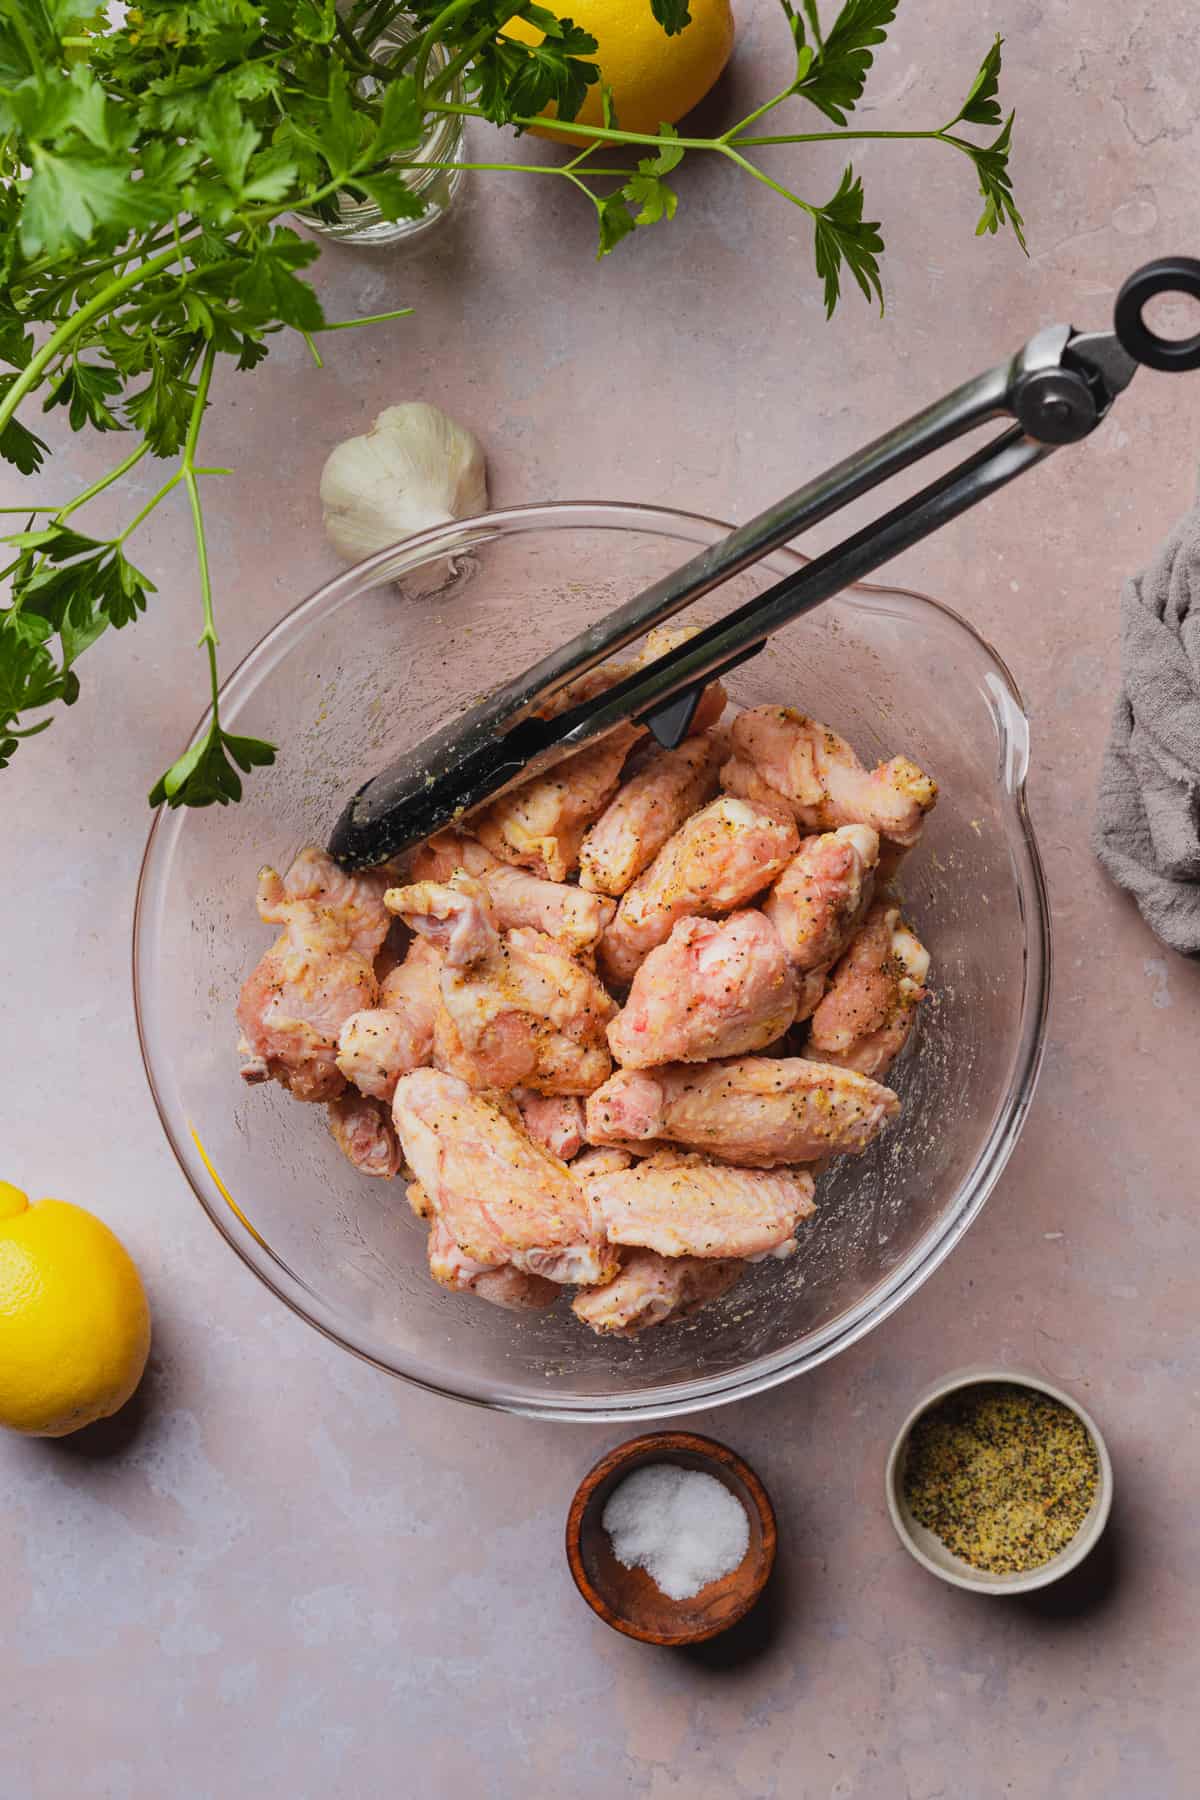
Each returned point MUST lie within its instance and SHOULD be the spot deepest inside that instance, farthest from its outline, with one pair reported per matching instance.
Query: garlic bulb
(413, 469)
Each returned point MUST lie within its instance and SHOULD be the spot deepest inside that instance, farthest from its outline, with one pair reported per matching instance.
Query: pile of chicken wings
(611, 1028)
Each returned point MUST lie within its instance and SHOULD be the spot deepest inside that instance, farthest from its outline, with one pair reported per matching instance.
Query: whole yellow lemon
(74, 1321)
(655, 79)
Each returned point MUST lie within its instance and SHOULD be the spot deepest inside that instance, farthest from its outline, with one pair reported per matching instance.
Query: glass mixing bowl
(374, 661)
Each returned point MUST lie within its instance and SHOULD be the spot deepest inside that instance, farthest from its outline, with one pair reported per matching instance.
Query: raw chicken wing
(602, 1160)
(540, 824)
(376, 1047)
(310, 981)
(502, 1198)
(758, 1111)
(505, 1286)
(651, 1289)
(413, 988)
(363, 1131)
(356, 899)
(647, 810)
(516, 1009)
(455, 915)
(781, 755)
(865, 1018)
(555, 1121)
(713, 989)
(820, 900)
(517, 897)
(718, 859)
(687, 1206)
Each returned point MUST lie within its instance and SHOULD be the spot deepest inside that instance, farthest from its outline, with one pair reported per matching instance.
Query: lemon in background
(74, 1320)
(655, 79)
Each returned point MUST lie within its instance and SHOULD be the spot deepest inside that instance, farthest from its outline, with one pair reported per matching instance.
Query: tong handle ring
(1169, 275)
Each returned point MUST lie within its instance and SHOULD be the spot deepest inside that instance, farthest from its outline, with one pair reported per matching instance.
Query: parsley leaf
(74, 197)
(204, 775)
(981, 106)
(268, 288)
(844, 236)
(19, 445)
(995, 184)
(85, 390)
(834, 77)
(672, 15)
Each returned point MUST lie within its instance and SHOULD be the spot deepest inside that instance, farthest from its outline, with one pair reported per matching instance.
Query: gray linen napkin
(1147, 831)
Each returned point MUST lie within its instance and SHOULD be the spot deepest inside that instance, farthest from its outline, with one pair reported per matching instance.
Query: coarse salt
(683, 1527)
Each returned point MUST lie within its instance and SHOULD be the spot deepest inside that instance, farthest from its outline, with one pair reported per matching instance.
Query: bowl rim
(667, 1444)
(1091, 1529)
(698, 1392)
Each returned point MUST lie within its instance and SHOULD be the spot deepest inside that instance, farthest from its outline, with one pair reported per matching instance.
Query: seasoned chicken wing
(516, 1009)
(821, 898)
(647, 810)
(601, 1160)
(718, 859)
(379, 1045)
(540, 824)
(454, 915)
(555, 1121)
(363, 1131)
(715, 988)
(865, 1018)
(314, 876)
(516, 897)
(651, 1289)
(782, 756)
(758, 1111)
(310, 981)
(502, 1197)
(506, 1286)
(688, 1206)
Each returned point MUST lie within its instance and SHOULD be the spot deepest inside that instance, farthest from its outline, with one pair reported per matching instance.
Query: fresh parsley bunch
(146, 164)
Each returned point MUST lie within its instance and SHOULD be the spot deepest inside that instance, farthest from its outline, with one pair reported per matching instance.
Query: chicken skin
(757, 1111)
(506, 1286)
(376, 1047)
(516, 1008)
(555, 1121)
(356, 899)
(651, 1289)
(718, 859)
(516, 897)
(821, 898)
(865, 1018)
(713, 989)
(363, 1131)
(316, 974)
(647, 810)
(502, 1198)
(783, 757)
(540, 824)
(688, 1206)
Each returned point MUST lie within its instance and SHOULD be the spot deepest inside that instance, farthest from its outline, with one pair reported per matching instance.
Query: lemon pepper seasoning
(1003, 1475)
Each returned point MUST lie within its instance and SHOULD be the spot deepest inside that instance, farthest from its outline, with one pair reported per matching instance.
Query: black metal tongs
(1056, 390)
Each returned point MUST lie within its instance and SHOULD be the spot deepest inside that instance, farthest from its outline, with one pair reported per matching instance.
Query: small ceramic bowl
(929, 1549)
(627, 1599)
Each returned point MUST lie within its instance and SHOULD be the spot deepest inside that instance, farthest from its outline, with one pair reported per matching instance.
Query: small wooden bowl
(627, 1599)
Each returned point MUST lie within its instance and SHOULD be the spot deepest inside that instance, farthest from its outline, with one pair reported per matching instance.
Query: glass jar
(360, 221)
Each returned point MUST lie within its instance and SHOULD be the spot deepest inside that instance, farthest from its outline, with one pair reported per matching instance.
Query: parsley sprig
(146, 168)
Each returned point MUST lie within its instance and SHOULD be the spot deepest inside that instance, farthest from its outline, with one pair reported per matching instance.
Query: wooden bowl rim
(667, 1442)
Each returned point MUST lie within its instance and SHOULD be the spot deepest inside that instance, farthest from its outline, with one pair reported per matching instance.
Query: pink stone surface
(287, 1574)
